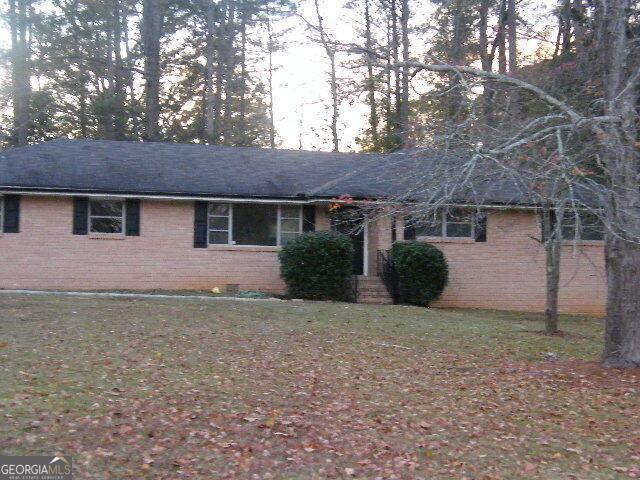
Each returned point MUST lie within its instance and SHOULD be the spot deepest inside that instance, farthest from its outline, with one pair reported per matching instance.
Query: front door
(350, 221)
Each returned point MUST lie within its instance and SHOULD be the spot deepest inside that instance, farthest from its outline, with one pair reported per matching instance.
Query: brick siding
(506, 272)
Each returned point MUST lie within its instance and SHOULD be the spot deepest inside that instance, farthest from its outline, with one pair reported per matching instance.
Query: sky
(302, 94)
(301, 91)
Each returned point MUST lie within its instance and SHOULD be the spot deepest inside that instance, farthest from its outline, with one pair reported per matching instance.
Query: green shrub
(318, 266)
(422, 272)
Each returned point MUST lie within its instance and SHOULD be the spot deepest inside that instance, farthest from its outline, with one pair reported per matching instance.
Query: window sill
(106, 236)
(243, 248)
(582, 243)
(446, 240)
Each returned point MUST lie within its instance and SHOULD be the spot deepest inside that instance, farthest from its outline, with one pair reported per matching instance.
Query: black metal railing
(389, 274)
(354, 287)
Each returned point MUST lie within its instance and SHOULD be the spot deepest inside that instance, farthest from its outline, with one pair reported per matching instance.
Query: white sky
(301, 91)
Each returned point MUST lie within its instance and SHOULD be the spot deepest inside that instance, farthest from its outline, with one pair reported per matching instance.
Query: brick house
(105, 215)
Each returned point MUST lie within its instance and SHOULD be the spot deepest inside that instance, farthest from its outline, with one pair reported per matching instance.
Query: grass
(185, 388)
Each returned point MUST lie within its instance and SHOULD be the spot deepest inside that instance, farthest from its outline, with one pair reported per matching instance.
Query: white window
(290, 223)
(448, 223)
(582, 225)
(253, 224)
(219, 223)
(106, 216)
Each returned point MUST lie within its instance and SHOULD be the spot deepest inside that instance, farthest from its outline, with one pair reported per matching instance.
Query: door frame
(365, 244)
(365, 247)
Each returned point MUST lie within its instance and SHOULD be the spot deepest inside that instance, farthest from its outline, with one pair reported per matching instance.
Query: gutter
(296, 200)
(300, 199)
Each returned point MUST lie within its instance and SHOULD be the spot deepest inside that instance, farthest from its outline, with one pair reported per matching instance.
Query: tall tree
(152, 27)
(19, 16)
(329, 45)
(371, 78)
(611, 131)
(403, 107)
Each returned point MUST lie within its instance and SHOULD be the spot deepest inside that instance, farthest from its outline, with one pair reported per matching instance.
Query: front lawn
(187, 388)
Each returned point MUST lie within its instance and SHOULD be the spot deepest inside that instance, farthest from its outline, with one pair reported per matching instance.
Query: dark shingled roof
(114, 167)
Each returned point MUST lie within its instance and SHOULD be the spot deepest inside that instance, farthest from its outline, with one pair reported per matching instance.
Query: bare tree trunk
(333, 83)
(486, 61)
(108, 119)
(579, 34)
(152, 24)
(224, 73)
(395, 45)
(552, 263)
(388, 93)
(20, 70)
(226, 132)
(622, 160)
(334, 98)
(119, 120)
(371, 81)
(512, 25)
(242, 127)
(270, 49)
(565, 13)
(457, 58)
(404, 105)
(210, 55)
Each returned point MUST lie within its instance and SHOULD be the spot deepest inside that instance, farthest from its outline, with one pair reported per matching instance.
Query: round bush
(422, 272)
(318, 266)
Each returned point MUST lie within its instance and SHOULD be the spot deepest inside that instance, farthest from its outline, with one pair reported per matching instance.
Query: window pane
(221, 209)
(218, 223)
(287, 237)
(430, 226)
(107, 208)
(290, 225)
(289, 212)
(592, 232)
(568, 231)
(592, 227)
(459, 215)
(255, 224)
(458, 229)
(106, 225)
(429, 230)
(218, 238)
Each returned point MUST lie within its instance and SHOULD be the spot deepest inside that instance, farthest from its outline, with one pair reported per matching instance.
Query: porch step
(372, 290)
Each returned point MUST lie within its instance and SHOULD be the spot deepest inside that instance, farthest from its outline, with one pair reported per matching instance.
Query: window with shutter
(254, 224)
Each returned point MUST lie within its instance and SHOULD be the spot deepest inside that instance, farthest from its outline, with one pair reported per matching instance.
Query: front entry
(350, 221)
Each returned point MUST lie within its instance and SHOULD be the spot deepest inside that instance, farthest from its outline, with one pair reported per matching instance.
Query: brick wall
(45, 254)
(507, 272)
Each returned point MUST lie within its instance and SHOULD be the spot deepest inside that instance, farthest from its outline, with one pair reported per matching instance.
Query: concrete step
(371, 290)
(376, 300)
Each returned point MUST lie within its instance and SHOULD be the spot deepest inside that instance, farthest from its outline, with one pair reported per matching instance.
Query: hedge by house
(318, 266)
(422, 272)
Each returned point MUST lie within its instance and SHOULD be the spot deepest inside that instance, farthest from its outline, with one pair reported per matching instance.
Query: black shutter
(133, 217)
(409, 229)
(80, 215)
(481, 227)
(308, 218)
(200, 225)
(11, 214)
(553, 219)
